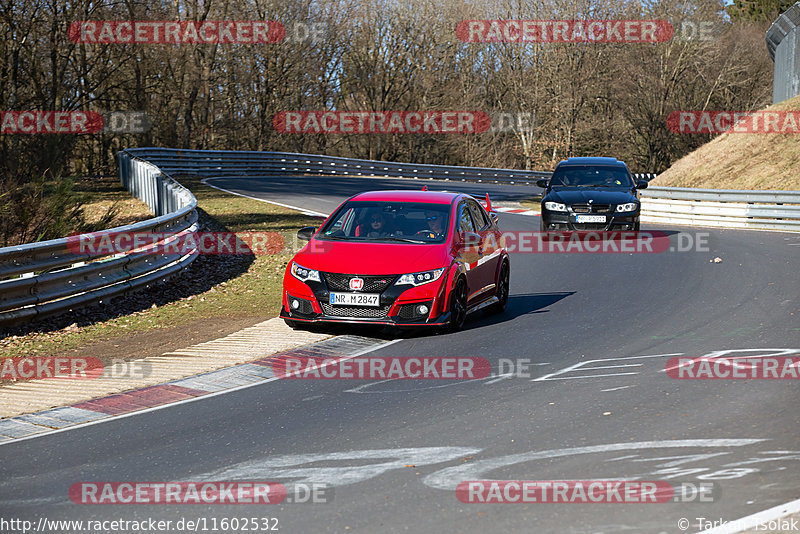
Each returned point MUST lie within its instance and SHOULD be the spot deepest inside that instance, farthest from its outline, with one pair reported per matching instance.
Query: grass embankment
(533, 203)
(103, 193)
(741, 161)
(231, 287)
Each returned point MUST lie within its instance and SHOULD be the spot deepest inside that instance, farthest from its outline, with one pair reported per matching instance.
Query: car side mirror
(305, 234)
(641, 184)
(495, 218)
(543, 183)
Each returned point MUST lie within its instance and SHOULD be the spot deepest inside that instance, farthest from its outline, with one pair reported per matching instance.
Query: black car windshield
(591, 176)
(388, 222)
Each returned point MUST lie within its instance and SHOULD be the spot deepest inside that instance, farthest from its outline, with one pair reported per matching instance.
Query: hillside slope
(741, 161)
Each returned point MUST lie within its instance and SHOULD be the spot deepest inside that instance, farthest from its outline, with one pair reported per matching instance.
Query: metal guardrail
(783, 45)
(45, 278)
(726, 208)
(227, 163)
(773, 210)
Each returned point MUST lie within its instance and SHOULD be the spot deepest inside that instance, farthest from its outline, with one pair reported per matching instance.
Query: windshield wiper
(401, 239)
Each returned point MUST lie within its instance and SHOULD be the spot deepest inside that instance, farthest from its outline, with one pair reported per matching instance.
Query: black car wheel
(502, 290)
(458, 306)
(542, 226)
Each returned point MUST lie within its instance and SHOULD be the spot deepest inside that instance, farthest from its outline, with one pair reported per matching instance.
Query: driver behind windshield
(434, 222)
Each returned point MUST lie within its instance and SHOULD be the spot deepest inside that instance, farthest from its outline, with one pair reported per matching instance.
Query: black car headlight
(417, 279)
(555, 206)
(629, 206)
(303, 274)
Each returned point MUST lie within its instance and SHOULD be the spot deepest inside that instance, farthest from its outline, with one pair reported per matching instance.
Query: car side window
(465, 223)
(478, 216)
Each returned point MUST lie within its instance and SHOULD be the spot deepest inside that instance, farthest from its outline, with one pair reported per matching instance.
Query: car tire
(457, 306)
(542, 227)
(636, 226)
(503, 289)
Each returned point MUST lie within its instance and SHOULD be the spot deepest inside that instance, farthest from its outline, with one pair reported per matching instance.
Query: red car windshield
(406, 222)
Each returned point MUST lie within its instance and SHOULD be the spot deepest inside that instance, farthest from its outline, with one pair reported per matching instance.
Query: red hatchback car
(401, 258)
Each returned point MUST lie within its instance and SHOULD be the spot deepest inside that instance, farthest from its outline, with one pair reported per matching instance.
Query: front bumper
(309, 302)
(560, 220)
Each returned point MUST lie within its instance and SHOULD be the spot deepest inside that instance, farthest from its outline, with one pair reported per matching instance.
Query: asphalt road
(598, 328)
(324, 193)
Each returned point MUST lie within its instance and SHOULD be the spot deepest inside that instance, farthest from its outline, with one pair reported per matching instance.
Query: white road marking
(626, 457)
(582, 366)
(289, 466)
(301, 210)
(614, 389)
(498, 378)
(587, 376)
(448, 478)
(729, 353)
(754, 520)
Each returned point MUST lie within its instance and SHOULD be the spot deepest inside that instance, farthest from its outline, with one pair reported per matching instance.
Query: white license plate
(590, 218)
(355, 299)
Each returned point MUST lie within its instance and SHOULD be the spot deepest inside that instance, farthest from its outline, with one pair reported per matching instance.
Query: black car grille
(591, 208)
(360, 312)
(372, 284)
(589, 226)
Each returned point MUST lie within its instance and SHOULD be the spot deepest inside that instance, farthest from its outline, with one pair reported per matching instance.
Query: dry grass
(103, 192)
(741, 161)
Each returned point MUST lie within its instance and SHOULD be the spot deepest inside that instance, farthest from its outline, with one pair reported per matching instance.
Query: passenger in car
(377, 225)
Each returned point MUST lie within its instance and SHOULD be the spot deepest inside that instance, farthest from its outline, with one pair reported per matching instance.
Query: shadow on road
(517, 305)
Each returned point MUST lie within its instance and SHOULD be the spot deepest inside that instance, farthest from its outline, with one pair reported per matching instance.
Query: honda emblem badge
(356, 284)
